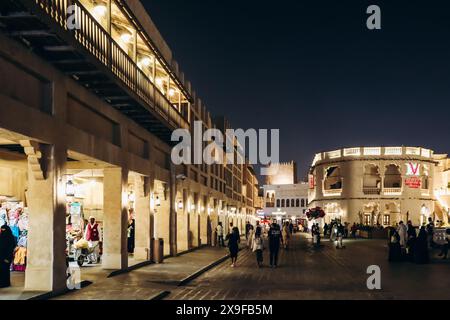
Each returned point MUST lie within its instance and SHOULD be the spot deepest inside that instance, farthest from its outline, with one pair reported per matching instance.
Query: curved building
(376, 185)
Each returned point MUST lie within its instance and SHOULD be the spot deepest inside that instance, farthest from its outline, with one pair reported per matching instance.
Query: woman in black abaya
(7, 246)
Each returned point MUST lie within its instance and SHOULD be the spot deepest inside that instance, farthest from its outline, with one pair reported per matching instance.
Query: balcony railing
(392, 191)
(371, 191)
(332, 193)
(98, 42)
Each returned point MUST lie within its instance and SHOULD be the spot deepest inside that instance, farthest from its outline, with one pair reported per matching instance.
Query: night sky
(313, 69)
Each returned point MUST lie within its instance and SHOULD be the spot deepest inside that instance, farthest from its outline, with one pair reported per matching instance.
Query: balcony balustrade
(392, 191)
(371, 190)
(90, 55)
(332, 193)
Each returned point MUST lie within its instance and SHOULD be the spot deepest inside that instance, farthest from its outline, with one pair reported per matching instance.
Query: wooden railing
(96, 40)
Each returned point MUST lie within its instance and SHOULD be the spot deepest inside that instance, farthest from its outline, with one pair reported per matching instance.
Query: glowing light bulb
(126, 37)
(159, 81)
(171, 92)
(146, 61)
(100, 10)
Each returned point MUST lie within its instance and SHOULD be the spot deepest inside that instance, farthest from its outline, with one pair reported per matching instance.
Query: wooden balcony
(90, 56)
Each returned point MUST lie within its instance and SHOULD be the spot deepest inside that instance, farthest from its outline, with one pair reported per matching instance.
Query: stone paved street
(147, 282)
(325, 273)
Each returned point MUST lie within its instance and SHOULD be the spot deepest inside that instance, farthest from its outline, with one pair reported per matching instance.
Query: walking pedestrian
(410, 244)
(325, 229)
(430, 232)
(219, 231)
(444, 249)
(248, 228)
(402, 232)
(250, 237)
(395, 250)
(258, 248)
(354, 229)
(340, 236)
(233, 245)
(275, 240)
(286, 235)
(421, 254)
(7, 246)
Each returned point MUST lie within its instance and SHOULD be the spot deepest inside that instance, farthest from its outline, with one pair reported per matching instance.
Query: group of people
(336, 231)
(406, 244)
(277, 237)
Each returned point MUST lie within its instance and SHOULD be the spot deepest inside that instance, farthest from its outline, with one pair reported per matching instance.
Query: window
(288, 203)
(297, 203)
(386, 220)
(292, 203)
(333, 178)
(303, 203)
(393, 177)
(283, 203)
(372, 179)
(278, 203)
(367, 219)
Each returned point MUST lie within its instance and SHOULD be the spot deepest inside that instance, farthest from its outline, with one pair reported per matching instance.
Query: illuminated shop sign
(312, 182)
(413, 182)
(412, 169)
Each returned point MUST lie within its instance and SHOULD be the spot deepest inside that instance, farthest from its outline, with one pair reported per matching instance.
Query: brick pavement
(147, 282)
(327, 273)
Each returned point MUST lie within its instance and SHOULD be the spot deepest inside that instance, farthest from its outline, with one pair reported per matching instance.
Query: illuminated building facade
(380, 185)
(89, 99)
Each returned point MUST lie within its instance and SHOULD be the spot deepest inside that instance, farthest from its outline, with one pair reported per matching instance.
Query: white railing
(371, 190)
(317, 158)
(332, 193)
(393, 151)
(334, 154)
(352, 152)
(413, 151)
(426, 153)
(372, 151)
(392, 191)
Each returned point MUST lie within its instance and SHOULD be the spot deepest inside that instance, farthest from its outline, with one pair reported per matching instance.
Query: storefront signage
(312, 183)
(413, 183)
(412, 169)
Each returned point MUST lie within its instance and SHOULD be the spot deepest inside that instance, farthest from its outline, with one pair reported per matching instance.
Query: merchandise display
(15, 216)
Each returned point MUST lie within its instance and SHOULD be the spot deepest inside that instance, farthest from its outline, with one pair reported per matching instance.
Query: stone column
(183, 224)
(46, 261)
(194, 224)
(173, 211)
(203, 221)
(115, 219)
(144, 230)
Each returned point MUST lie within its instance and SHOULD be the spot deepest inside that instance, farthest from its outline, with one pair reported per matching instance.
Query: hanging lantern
(70, 187)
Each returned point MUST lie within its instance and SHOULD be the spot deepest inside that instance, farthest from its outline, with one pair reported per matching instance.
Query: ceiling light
(146, 61)
(100, 10)
(126, 37)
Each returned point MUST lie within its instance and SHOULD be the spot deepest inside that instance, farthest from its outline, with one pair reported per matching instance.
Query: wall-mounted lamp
(192, 207)
(70, 187)
(131, 197)
(158, 202)
(180, 205)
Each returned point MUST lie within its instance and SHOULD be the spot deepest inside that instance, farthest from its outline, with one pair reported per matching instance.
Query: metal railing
(96, 40)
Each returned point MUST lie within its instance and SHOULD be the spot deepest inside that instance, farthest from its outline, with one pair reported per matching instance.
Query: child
(258, 247)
